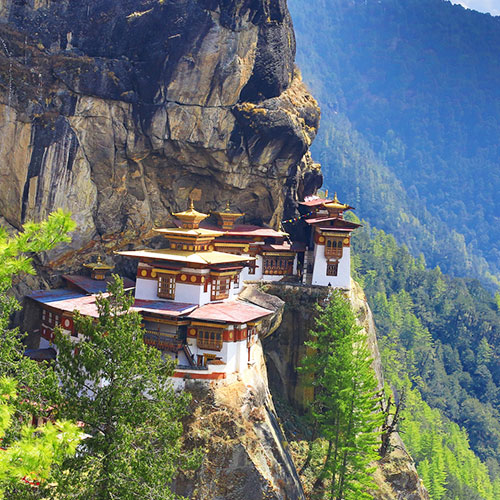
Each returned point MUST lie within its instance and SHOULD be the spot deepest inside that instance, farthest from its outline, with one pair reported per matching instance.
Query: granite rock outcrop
(118, 109)
(246, 456)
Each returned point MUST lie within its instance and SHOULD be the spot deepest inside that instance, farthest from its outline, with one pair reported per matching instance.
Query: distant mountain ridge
(410, 98)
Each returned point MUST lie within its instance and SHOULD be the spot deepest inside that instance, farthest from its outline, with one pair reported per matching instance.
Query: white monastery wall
(343, 278)
(146, 289)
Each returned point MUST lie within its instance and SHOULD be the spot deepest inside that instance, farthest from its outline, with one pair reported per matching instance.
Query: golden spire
(190, 218)
(98, 269)
(336, 205)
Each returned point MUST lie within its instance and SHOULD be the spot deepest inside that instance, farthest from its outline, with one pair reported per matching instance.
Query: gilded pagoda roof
(228, 213)
(187, 257)
(336, 205)
(191, 215)
(198, 232)
(99, 264)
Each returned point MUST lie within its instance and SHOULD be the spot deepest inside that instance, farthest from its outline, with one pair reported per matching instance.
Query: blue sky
(491, 6)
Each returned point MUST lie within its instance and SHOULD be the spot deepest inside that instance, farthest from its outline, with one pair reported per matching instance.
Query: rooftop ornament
(226, 218)
(190, 218)
(335, 205)
(98, 269)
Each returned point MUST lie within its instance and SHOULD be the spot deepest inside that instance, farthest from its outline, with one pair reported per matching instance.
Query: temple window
(166, 286)
(332, 268)
(252, 266)
(220, 288)
(209, 339)
(333, 247)
(236, 280)
(278, 265)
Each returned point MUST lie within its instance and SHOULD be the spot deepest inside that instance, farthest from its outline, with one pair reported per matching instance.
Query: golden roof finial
(226, 218)
(336, 205)
(190, 218)
(98, 264)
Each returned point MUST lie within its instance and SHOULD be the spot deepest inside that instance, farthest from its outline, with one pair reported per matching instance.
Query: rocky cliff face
(396, 474)
(117, 109)
(245, 450)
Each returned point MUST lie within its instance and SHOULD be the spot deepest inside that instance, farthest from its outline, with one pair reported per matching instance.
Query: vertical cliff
(118, 109)
(245, 457)
(396, 475)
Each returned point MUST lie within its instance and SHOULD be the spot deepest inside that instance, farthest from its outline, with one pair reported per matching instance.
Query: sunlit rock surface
(118, 109)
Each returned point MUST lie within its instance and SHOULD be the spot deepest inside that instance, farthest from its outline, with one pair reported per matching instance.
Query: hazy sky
(491, 6)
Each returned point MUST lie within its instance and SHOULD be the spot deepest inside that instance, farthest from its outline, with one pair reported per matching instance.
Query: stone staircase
(308, 266)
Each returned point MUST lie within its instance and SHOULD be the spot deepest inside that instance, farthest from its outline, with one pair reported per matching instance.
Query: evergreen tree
(28, 388)
(345, 406)
(29, 459)
(16, 258)
(122, 392)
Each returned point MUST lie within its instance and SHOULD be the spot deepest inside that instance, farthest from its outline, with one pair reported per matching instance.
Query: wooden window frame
(252, 266)
(278, 265)
(332, 268)
(220, 286)
(166, 286)
(334, 247)
(211, 339)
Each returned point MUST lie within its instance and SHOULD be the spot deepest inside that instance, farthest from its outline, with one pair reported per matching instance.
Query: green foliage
(439, 337)
(446, 464)
(121, 390)
(37, 383)
(29, 453)
(345, 403)
(410, 98)
(30, 459)
(34, 238)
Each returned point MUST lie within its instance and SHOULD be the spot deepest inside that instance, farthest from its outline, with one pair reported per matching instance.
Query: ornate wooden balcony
(162, 342)
(210, 344)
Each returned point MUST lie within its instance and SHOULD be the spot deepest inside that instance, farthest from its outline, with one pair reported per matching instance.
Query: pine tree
(16, 256)
(346, 404)
(27, 460)
(122, 392)
(27, 388)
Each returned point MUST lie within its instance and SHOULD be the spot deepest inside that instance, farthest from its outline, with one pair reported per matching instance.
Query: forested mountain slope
(410, 98)
(439, 339)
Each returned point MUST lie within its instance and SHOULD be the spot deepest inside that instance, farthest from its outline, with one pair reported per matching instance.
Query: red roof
(234, 311)
(314, 202)
(342, 222)
(247, 230)
(89, 285)
(68, 301)
(283, 247)
(168, 308)
(337, 229)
